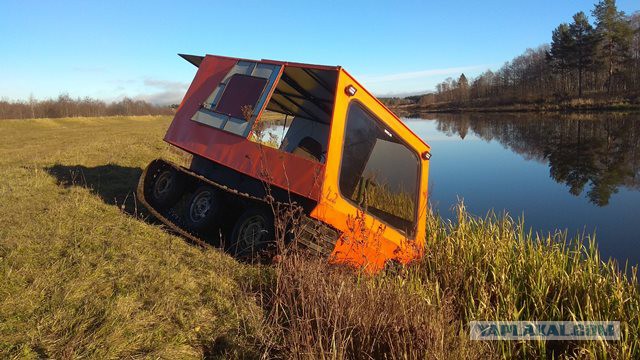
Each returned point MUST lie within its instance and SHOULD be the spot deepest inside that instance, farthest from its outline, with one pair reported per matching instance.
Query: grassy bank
(81, 277)
(83, 273)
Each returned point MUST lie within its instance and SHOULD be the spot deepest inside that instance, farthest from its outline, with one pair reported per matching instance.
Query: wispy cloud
(401, 93)
(163, 92)
(375, 79)
(165, 84)
(162, 98)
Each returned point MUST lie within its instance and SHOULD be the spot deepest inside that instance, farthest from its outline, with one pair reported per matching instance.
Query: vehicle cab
(313, 133)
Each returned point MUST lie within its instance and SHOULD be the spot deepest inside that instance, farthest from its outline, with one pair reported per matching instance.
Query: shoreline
(518, 108)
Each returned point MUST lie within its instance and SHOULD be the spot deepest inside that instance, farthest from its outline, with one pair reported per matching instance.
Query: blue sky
(111, 49)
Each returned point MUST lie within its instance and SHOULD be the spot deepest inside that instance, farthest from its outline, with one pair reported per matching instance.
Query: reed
(474, 268)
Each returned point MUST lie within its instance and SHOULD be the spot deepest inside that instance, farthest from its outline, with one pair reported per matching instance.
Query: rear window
(242, 91)
(379, 171)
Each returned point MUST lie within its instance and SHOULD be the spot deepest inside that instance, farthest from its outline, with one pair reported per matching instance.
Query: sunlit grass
(79, 277)
(82, 274)
(499, 271)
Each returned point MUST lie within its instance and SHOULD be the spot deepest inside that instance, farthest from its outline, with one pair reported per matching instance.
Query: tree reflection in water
(596, 153)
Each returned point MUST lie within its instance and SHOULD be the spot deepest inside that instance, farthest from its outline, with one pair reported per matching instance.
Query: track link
(313, 235)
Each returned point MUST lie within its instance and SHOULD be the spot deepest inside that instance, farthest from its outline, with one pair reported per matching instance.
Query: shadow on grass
(114, 184)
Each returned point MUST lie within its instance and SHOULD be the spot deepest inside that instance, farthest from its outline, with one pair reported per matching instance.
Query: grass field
(85, 274)
(81, 277)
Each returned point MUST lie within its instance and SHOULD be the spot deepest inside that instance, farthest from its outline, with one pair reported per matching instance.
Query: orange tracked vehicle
(355, 171)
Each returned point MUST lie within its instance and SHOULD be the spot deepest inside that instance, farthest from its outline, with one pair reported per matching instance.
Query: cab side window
(379, 172)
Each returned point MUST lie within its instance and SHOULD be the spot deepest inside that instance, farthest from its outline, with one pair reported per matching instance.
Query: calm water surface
(580, 173)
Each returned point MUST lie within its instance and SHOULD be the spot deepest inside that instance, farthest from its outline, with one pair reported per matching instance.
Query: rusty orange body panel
(320, 96)
(366, 240)
(239, 153)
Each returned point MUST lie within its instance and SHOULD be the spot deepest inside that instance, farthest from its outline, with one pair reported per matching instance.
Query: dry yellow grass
(82, 278)
(83, 274)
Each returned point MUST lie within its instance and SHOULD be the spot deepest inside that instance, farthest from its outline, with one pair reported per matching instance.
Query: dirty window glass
(379, 172)
(241, 95)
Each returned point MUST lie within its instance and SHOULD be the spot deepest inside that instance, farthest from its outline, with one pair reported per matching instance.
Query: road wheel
(167, 188)
(201, 208)
(252, 233)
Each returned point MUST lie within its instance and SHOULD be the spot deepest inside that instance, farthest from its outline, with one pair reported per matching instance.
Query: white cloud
(375, 79)
(402, 93)
(162, 98)
(166, 92)
(165, 84)
(163, 92)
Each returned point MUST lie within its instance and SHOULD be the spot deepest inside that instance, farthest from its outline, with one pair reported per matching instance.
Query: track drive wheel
(167, 188)
(252, 233)
(201, 208)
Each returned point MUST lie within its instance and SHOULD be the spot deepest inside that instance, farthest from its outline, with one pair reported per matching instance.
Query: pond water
(574, 172)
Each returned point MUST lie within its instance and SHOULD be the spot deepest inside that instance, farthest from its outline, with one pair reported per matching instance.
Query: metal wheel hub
(200, 206)
(163, 185)
(252, 232)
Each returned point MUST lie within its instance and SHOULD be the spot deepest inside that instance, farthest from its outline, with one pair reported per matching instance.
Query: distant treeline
(599, 62)
(65, 106)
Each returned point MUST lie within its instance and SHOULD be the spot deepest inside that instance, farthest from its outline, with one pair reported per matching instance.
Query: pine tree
(562, 46)
(463, 87)
(582, 52)
(614, 37)
(634, 22)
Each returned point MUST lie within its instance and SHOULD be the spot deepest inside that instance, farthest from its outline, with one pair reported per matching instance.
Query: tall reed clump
(473, 269)
(497, 271)
(322, 311)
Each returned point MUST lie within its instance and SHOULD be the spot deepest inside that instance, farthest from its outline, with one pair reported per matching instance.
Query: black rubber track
(314, 236)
